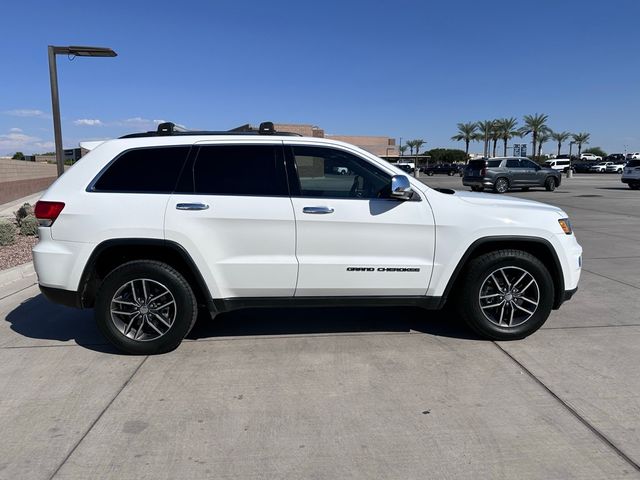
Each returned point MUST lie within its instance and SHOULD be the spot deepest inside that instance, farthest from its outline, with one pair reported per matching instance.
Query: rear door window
(253, 170)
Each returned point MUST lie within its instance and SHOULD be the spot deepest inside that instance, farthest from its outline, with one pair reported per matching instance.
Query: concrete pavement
(343, 393)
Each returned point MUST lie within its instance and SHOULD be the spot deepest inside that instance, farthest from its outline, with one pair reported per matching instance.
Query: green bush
(29, 225)
(7, 233)
(23, 212)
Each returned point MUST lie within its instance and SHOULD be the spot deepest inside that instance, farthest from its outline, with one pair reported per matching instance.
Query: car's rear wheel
(550, 184)
(145, 307)
(501, 185)
(525, 189)
(507, 295)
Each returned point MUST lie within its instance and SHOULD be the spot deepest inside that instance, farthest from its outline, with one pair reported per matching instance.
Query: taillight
(483, 172)
(47, 212)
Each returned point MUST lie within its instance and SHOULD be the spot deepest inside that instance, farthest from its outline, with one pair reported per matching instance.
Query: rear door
(352, 238)
(233, 214)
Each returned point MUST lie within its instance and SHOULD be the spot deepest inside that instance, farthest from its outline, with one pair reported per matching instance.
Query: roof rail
(171, 129)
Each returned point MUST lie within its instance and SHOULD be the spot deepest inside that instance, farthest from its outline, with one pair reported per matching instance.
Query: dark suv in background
(502, 174)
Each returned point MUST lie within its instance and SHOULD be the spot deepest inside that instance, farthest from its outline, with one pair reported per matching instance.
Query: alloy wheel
(509, 297)
(143, 309)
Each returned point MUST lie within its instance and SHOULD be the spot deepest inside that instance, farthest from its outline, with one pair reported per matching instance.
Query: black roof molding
(169, 129)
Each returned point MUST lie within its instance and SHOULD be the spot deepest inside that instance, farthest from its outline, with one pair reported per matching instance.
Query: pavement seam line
(612, 279)
(97, 419)
(601, 436)
(18, 291)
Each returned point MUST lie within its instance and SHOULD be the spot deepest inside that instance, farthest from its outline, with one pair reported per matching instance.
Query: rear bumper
(477, 182)
(68, 298)
(631, 180)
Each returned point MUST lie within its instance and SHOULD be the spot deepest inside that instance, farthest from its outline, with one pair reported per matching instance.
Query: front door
(233, 215)
(352, 239)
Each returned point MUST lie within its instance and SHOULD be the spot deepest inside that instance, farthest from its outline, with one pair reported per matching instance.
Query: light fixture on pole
(75, 51)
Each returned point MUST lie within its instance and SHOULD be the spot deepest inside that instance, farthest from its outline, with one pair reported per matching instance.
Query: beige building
(378, 145)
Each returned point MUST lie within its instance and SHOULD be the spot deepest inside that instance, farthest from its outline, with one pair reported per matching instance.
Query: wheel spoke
(163, 306)
(528, 285)
(144, 290)
(164, 322)
(501, 314)
(122, 313)
(154, 327)
(490, 296)
(496, 282)
(520, 279)
(530, 301)
(124, 302)
(493, 305)
(127, 328)
(523, 309)
(152, 299)
(133, 290)
(505, 278)
(511, 317)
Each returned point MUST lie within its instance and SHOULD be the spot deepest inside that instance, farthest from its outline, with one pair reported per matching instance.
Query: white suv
(631, 174)
(149, 227)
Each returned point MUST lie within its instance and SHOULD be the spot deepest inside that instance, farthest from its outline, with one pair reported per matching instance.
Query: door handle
(317, 210)
(192, 206)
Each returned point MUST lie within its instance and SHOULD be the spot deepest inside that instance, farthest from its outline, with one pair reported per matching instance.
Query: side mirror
(400, 187)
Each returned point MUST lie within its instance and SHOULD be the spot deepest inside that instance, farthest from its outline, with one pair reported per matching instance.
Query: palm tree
(580, 139)
(485, 129)
(534, 125)
(495, 134)
(560, 137)
(508, 130)
(466, 133)
(402, 149)
(543, 138)
(418, 143)
(410, 144)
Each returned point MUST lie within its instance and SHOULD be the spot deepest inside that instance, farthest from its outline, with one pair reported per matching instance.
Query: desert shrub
(7, 232)
(23, 212)
(29, 225)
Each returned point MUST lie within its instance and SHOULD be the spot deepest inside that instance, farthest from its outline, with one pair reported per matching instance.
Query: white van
(560, 164)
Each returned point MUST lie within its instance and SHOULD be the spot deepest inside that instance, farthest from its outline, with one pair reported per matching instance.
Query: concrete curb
(15, 274)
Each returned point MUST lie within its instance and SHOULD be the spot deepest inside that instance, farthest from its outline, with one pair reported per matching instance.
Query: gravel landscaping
(17, 253)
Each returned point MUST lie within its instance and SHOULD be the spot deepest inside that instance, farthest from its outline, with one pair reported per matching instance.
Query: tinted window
(144, 170)
(633, 163)
(513, 163)
(477, 164)
(325, 172)
(528, 164)
(240, 170)
(494, 163)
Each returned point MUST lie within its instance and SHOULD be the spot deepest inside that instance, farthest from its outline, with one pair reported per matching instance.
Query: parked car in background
(590, 157)
(634, 156)
(631, 174)
(616, 165)
(601, 167)
(405, 167)
(502, 174)
(442, 168)
(561, 163)
(582, 167)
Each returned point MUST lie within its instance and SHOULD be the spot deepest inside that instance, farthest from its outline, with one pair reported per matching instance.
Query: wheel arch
(541, 248)
(112, 253)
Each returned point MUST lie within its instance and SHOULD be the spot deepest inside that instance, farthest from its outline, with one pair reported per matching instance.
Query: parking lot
(343, 393)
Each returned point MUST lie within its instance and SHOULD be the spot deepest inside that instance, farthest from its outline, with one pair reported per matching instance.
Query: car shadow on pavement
(41, 320)
(327, 321)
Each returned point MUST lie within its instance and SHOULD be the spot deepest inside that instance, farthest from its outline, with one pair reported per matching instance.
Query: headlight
(565, 224)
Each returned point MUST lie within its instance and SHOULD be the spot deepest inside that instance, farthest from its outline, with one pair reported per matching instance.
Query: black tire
(501, 185)
(550, 184)
(525, 189)
(430, 174)
(479, 272)
(184, 309)
(634, 186)
(451, 173)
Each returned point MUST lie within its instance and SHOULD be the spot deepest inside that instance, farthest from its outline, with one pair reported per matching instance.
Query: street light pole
(55, 109)
(55, 99)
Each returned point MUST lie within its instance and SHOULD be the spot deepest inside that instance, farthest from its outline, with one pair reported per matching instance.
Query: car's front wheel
(145, 307)
(506, 295)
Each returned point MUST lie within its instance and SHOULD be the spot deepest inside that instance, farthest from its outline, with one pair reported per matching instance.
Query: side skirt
(230, 304)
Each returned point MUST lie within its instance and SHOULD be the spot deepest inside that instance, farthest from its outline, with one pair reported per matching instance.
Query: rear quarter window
(143, 170)
(494, 163)
(633, 163)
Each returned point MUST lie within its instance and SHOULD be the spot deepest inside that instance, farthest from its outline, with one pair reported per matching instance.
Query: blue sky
(409, 69)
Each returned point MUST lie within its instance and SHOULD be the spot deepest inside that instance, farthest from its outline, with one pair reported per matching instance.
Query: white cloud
(90, 122)
(140, 122)
(25, 112)
(18, 141)
(15, 130)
